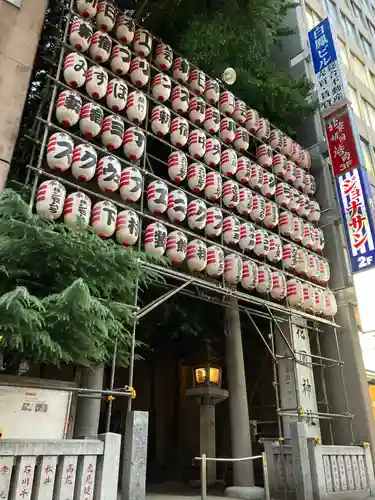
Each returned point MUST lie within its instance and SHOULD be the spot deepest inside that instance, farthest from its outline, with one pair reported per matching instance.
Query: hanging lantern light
(177, 166)
(77, 210)
(180, 99)
(297, 232)
(60, 152)
(264, 130)
(212, 91)
(139, 72)
(142, 43)
(176, 247)
(68, 108)
(213, 152)
(308, 235)
(214, 222)
(136, 107)
(241, 139)
(161, 87)
(243, 172)
(181, 70)
(157, 197)
(252, 121)
(291, 172)
(101, 46)
(247, 236)
(279, 163)
(196, 175)
(226, 103)
(232, 269)
(294, 202)
(279, 289)
(75, 69)
(197, 213)
(258, 211)
(299, 183)
(197, 143)
(319, 242)
(160, 120)
(318, 306)
(196, 255)
(96, 82)
(290, 254)
(117, 95)
(127, 228)
(262, 243)
(91, 119)
(294, 292)
(330, 304)
(163, 56)
(179, 132)
(283, 194)
(215, 261)
(112, 132)
(197, 81)
(245, 203)
(269, 184)
(249, 275)
(308, 297)
(177, 206)
(131, 184)
(231, 194)
(103, 218)
(264, 155)
(155, 239)
(287, 146)
(310, 185)
(228, 162)
(231, 230)
(271, 219)
(275, 252)
(106, 15)
(302, 262)
(312, 271)
(256, 176)
(305, 160)
(109, 174)
(50, 199)
(197, 110)
(84, 162)
(304, 206)
(227, 130)
(276, 139)
(87, 8)
(264, 284)
(212, 120)
(124, 29)
(296, 153)
(314, 211)
(213, 188)
(134, 143)
(80, 35)
(240, 112)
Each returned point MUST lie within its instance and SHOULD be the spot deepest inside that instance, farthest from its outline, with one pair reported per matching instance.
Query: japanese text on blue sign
(322, 46)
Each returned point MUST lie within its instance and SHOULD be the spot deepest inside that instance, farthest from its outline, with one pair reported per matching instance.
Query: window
(359, 69)
(371, 28)
(372, 81)
(343, 53)
(312, 18)
(365, 108)
(354, 100)
(350, 29)
(367, 156)
(367, 47)
(332, 11)
(357, 12)
(371, 114)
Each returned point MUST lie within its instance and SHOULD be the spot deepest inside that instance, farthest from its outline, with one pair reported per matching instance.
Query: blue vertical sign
(322, 46)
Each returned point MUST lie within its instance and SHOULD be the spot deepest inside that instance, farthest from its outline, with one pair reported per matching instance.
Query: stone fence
(69, 469)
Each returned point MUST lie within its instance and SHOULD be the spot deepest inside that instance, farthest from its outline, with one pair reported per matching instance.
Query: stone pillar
(19, 37)
(243, 472)
(301, 461)
(88, 408)
(208, 438)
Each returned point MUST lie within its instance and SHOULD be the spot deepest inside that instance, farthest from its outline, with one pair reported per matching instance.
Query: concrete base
(245, 492)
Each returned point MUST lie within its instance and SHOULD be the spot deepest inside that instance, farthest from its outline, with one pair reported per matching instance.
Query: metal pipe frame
(261, 335)
(126, 392)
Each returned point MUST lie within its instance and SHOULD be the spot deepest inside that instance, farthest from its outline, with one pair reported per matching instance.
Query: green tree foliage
(64, 293)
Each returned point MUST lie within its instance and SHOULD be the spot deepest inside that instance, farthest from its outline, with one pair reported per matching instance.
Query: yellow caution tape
(281, 438)
(317, 440)
(110, 398)
(132, 392)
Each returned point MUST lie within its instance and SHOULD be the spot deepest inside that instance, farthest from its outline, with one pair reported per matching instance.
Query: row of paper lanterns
(100, 45)
(52, 202)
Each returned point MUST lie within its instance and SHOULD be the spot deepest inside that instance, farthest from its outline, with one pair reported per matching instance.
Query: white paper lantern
(177, 166)
(131, 184)
(60, 152)
(180, 99)
(308, 235)
(112, 132)
(179, 132)
(286, 223)
(160, 120)
(157, 197)
(297, 232)
(312, 271)
(252, 121)
(50, 199)
(226, 103)
(241, 139)
(232, 269)
(258, 211)
(196, 175)
(271, 219)
(287, 146)
(155, 239)
(127, 228)
(282, 194)
(96, 82)
(279, 163)
(275, 251)
(228, 162)
(294, 201)
(75, 69)
(181, 70)
(290, 172)
(136, 107)
(264, 155)
(256, 176)
(303, 209)
(243, 172)
(77, 210)
(310, 185)
(212, 120)
(163, 56)
(279, 289)
(197, 110)
(124, 29)
(318, 306)
(103, 218)
(240, 112)
(319, 242)
(142, 43)
(197, 81)
(302, 262)
(231, 230)
(87, 8)
(117, 95)
(109, 174)
(214, 222)
(264, 284)
(330, 304)
(264, 130)
(134, 143)
(262, 243)
(212, 91)
(91, 119)
(276, 139)
(308, 297)
(176, 247)
(197, 213)
(290, 254)
(296, 153)
(314, 214)
(197, 143)
(213, 152)
(231, 194)
(161, 87)
(80, 35)
(84, 162)
(245, 203)
(196, 255)
(101, 46)
(269, 184)
(227, 130)
(247, 236)
(249, 275)
(299, 183)
(305, 160)
(68, 108)
(294, 292)
(215, 261)
(139, 72)
(324, 272)
(106, 15)
(214, 186)
(177, 206)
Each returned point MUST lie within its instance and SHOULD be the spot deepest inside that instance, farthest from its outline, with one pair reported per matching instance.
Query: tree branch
(139, 11)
